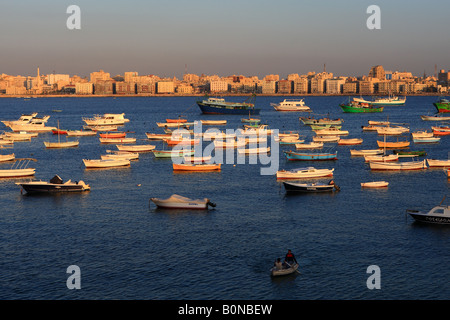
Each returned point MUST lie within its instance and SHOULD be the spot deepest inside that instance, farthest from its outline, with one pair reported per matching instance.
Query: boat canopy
(56, 180)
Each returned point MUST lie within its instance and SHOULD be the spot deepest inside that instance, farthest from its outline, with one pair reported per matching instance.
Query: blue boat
(309, 156)
(220, 106)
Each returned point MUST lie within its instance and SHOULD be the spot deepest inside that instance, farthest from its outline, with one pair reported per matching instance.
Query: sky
(226, 37)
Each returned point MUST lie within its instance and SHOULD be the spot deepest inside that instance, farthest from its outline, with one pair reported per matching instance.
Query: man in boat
(290, 258)
(278, 265)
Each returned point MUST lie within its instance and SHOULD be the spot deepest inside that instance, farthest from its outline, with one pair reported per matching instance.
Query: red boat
(113, 135)
(176, 120)
(58, 131)
(441, 131)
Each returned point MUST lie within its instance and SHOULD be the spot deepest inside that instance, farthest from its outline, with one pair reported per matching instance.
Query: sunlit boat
(158, 136)
(347, 142)
(386, 157)
(439, 214)
(220, 106)
(253, 150)
(320, 121)
(136, 148)
(393, 144)
(196, 167)
(436, 117)
(427, 140)
(325, 139)
(310, 187)
(172, 153)
(310, 156)
(309, 172)
(365, 152)
(19, 136)
(213, 122)
(414, 165)
(438, 163)
(375, 184)
(120, 155)
(109, 163)
(179, 202)
(106, 120)
(56, 185)
(113, 135)
(331, 131)
(291, 105)
(18, 169)
(388, 101)
(219, 144)
(117, 140)
(60, 145)
(7, 157)
(24, 118)
(31, 127)
(79, 133)
(311, 145)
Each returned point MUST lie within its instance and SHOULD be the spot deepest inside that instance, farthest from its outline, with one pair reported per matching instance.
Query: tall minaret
(38, 78)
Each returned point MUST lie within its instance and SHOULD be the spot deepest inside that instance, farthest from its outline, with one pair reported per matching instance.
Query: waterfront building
(165, 87)
(444, 78)
(284, 86)
(146, 88)
(131, 77)
(334, 86)
(184, 89)
(350, 87)
(377, 72)
(366, 87)
(301, 85)
(99, 76)
(55, 78)
(104, 87)
(84, 88)
(268, 87)
(125, 88)
(218, 86)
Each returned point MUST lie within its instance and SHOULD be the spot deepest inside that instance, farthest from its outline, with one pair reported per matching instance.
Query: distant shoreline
(431, 94)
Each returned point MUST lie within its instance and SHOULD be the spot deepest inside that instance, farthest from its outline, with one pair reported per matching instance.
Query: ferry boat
(220, 106)
(388, 101)
(291, 105)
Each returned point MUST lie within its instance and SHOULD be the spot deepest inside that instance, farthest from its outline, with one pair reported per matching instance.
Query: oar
(291, 267)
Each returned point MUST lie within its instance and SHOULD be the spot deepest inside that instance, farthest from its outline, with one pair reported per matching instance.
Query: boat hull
(423, 217)
(217, 109)
(307, 187)
(295, 156)
(52, 188)
(350, 109)
(283, 272)
(442, 107)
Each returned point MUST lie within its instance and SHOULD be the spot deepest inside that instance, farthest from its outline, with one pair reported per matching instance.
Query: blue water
(127, 249)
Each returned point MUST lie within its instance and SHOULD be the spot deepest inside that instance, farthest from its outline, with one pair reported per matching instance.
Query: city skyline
(243, 38)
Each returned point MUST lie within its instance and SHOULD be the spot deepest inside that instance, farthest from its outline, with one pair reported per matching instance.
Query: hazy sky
(226, 37)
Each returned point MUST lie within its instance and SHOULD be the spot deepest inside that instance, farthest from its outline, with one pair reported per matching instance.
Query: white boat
(79, 133)
(216, 135)
(229, 144)
(253, 150)
(7, 157)
(18, 169)
(413, 165)
(438, 163)
(422, 134)
(56, 185)
(388, 101)
(309, 172)
(366, 152)
(109, 163)
(291, 105)
(375, 184)
(119, 116)
(64, 144)
(24, 118)
(275, 272)
(120, 155)
(331, 131)
(31, 127)
(386, 157)
(326, 138)
(350, 141)
(179, 202)
(436, 117)
(427, 140)
(393, 131)
(440, 214)
(158, 136)
(311, 145)
(101, 128)
(107, 119)
(117, 140)
(136, 148)
(174, 124)
(6, 142)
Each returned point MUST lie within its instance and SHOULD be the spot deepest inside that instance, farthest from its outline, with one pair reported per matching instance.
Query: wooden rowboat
(196, 167)
(375, 184)
(274, 272)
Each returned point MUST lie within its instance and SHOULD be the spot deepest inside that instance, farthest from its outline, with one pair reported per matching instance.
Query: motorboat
(220, 106)
(176, 201)
(104, 128)
(310, 187)
(31, 127)
(56, 184)
(391, 100)
(109, 163)
(422, 134)
(438, 163)
(7, 157)
(392, 131)
(440, 214)
(24, 118)
(106, 119)
(291, 105)
(309, 172)
(375, 184)
(18, 169)
(320, 121)
(19, 136)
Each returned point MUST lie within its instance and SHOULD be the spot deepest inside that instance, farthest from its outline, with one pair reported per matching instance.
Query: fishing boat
(101, 128)
(251, 120)
(112, 154)
(210, 135)
(331, 131)
(414, 165)
(387, 101)
(19, 136)
(438, 163)
(441, 130)
(347, 142)
(18, 169)
(291, 105)
(191, 159)
(388, 130)
(59, 131)
(440, 214)
(310, 187)
(196, 167)
(300, 173)
(359, 107)
(59, 144)
(136, 148)
(55, 185)
(229, 144)
(117, 140)
(220, 106)
(412, 153)
(311, 145)
(158, 136)
(320, 121)
(436, 117)
(113, 135)
(382, 158)
(393, 144)
(174, 124)
(213, 122)
(310, 156)
(422, 134)
(260, 129)
(79, 133)
(375, 184)
(7, 157)
(179, 120)
(427, 140)
(179, 202)
(365, 152)
(442, 105)
(326, 138)
(315, 127)
(290, 269)
(253, 150)
(172, 153)
(182, 142)
(109, 163)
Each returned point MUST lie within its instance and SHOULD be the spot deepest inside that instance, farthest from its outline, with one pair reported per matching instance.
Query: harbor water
(126, 248)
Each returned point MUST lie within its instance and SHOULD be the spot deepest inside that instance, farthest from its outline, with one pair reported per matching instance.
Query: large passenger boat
(220, 106)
